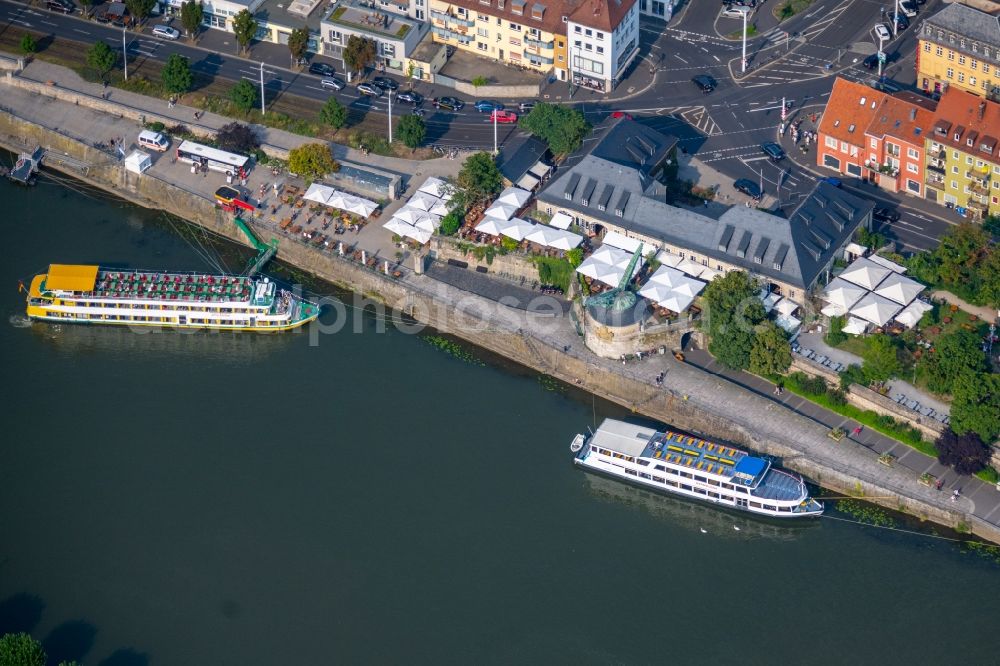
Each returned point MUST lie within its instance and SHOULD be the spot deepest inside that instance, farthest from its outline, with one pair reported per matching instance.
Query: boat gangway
(27, 166)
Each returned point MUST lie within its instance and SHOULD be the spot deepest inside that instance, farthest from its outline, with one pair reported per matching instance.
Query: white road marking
(681, 59)
(82, 32)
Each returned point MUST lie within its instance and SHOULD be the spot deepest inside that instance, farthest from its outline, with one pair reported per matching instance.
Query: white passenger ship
(691, 467)
(91, 295)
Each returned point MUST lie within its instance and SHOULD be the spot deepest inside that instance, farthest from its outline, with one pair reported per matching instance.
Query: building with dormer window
(959, 47)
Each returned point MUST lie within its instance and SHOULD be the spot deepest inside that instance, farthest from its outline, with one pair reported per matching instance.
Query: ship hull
(210, 327)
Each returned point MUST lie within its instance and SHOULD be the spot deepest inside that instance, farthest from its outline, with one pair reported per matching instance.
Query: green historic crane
(620, 298)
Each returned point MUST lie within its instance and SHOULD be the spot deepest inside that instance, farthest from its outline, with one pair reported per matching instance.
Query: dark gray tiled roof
(968, 21)
(795, 250)
(519, 155)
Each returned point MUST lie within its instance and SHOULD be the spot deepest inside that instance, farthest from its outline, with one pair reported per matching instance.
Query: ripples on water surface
(173, 498)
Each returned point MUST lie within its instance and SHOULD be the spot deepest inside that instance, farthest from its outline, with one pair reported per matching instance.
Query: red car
(503, 117)
(621, 114)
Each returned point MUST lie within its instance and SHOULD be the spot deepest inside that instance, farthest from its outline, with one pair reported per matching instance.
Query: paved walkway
(984, 313)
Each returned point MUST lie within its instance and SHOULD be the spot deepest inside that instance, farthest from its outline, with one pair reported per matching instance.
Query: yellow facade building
(960, 47)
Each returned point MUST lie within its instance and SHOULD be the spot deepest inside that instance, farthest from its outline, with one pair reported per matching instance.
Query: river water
(202, 498)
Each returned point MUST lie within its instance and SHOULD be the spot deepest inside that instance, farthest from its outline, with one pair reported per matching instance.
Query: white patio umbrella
(865, 272)
(517, 229)
(514, 196)
(708, 274)
(876, 309)
(666, 276)
(566, 240)
(423, 201)
(690, 267)
(501, 211)
(439, 208)
(668, 259)
(786, 307)
(337, 199)
(833, 310)
(398, 226)
(688, 287)
(318, 192)
(434, 187)
(359, 206)
(899, 288)
(612, 255)
(543, 235)
(855, 326)
(769, 299)
(789, 323)
(655, 292)
(418, 235)
(561, 220)
(615, 239)
(843, 294)
(676, 302)
(601, 271)
(428, 222)
(409, 215)
(490, 225)
(912, 313)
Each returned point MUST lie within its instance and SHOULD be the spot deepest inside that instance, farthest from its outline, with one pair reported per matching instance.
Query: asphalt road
(796, 62)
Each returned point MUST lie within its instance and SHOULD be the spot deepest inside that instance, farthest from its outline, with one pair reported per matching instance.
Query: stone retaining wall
(516, 265)
(695, 415)
(865, 398)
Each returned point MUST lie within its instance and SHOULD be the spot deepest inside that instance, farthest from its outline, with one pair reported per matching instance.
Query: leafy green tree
(954, 353)
(359, 53)
(298, 42)
(176, 74)
(28, 44)
(450, 223)
(976, 407)
(836, 334)
(244, 95)
(959, 251)
(575, 256)
(192, 14)
(989, 274)
(21, 650)
(561, 127)
(734, 310)
(102, 58)
(237, 138)
(479, 180)
(881, 360)
(333, 113)
(992, 225)
(245, 28)
(966, 453)
(771, 353)
(411, 130)
(312, 161)
(140, 9)
(870, 239)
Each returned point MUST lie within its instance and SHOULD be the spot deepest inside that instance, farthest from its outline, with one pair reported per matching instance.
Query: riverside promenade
(691, 397)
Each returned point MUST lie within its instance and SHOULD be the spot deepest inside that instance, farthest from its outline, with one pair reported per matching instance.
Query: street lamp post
(124, 53)
(744, 11)
(881, 56)
(262, 87)
(895, 18)
(389, 96)
(495, 114)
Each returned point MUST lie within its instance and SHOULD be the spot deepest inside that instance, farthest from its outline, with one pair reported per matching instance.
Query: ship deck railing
(780, 485)
(170, 286)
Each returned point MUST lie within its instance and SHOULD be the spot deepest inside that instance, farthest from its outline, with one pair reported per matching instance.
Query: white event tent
(843, 294)
(514, 196)
(899, 288)
(865, 273)
(607, 265)
(328, 196)
(615, 239)
(436, 188)
(855, 326)
(516, 228)
(561, 220)
(912, 313)
(671, 289)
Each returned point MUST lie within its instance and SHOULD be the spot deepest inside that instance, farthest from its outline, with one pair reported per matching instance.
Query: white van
(153, 141)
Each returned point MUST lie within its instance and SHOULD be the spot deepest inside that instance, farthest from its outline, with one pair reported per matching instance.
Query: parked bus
(214, 159)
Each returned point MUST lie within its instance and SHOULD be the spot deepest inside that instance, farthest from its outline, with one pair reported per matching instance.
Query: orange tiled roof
(851, 108)
(972, 117)
(902, 120)
(603, 14)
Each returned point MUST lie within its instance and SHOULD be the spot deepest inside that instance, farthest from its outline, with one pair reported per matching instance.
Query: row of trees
(965, 262)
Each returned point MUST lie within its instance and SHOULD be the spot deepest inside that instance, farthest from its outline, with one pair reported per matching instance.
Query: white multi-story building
(602, 38)
(661, 9)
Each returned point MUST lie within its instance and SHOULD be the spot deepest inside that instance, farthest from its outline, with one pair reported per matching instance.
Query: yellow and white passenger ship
(91, 295)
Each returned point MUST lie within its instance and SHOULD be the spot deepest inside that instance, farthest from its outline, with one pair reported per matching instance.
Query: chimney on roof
(913, 113)
(982, 109)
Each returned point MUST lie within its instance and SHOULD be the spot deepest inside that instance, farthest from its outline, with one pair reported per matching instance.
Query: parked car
(830, 180)
(411, 96)
(526, 107)
(732, 12)
(449, 103)
(64, 6)
(165, 32)
(486, 105)
(369, 89)
(621, 114)
(881, 214)
(871, 62)
(321, 69)
(332, 82)
(882, 32)
(908, 8)
(385, 83)
(503, 117)
(774, 151)
(704, 82)
(748, 187)
(902, 23)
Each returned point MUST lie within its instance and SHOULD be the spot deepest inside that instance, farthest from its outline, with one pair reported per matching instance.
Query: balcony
(538, 44)
(935, 181)
(446, 34)
(884, 169)
(448, 18)
(978, 205)
(936, 168)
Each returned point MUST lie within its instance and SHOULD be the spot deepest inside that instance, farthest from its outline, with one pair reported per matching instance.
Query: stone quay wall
(475, 320)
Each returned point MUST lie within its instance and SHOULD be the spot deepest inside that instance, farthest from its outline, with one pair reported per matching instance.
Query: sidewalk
(986, 314)
(40, 71)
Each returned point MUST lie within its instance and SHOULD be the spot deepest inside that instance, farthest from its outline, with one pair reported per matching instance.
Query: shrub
(967, 453)
(450, 223)
(836, 334)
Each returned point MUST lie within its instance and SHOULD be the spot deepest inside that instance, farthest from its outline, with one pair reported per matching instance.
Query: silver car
(165, 32)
